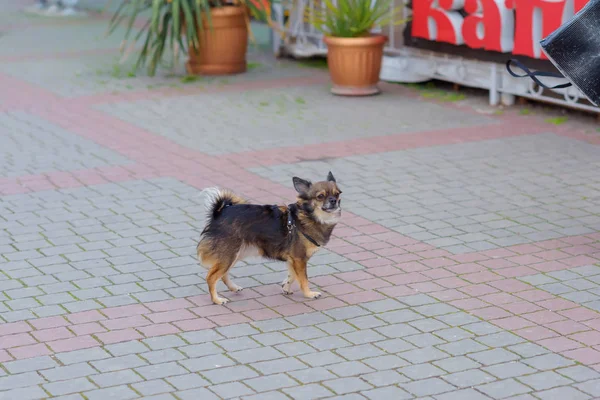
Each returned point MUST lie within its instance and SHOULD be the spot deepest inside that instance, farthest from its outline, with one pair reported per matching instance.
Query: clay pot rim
(356, 41)
(227, 10)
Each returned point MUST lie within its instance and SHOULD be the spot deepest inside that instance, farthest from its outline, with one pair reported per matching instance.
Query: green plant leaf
(557, 120)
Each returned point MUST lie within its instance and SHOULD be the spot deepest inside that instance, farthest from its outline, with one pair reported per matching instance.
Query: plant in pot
(354, 54)
(214, 32)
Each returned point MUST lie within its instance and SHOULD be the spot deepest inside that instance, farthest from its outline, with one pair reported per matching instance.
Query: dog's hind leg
(216, 272)
(286, 285)
(229, 283)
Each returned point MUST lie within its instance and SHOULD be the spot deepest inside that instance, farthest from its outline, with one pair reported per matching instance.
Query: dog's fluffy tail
(217, 199)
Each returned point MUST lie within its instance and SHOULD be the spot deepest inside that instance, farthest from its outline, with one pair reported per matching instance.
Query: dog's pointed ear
(330, 177)
(301, 185)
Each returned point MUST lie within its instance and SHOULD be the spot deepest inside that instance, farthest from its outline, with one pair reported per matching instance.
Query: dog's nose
(332, 201)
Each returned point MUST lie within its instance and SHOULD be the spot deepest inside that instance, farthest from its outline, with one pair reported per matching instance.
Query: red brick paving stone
(580, 250)
(85, 316)
(376, 262)
(579, 314)
(406, 278)
(525, 249)
(275, 301)
(326, 280)
(196, 324)
(491, 312)
(210, 311)
(535, 333)
(229, 319)
(158, 330)
(293, 309)
(19, 339)
(544, 317)
(390, 251)
(126, 322)
(510, 285)
(49, 322)
(5, 356)
(451, 283)
(47, 335)
(516, 272)
(34, 350)
(557, 304)
(404, 258)
(498, 263)
(414, 266)
(478, 290)
(384, 271)
(397, 291)
(170, 316)
(468, 257)
(436, 262)
(244, 305)
(468, 304)
(121, 335)
(168, 305)
(326, 303)
(481, 277)
(14, 327)
(559, 344)
(268, 290)
(467, 268)
(500, 298)
(593, 323)
(549, 266)
(552, 255)
(521, 307)
(125, 311)
(76, 343)
(261, 315)
(590, 338)
(579, 261)
(584, 355)
(438, 273)
(361, 297)
(87, 329)
(426, 287)
(374, 283)
(512, 323)
(535, 295)
(567, 327)
(343, 288)
(449, 294)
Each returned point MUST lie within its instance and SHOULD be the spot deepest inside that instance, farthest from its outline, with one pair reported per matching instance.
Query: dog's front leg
(299, 267)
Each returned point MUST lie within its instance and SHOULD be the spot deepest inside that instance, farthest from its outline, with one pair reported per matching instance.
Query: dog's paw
(236, 289)
(313, 295)
(220, 301)
(286, 287)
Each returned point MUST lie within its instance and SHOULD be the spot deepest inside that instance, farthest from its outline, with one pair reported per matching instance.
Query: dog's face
(322, 198)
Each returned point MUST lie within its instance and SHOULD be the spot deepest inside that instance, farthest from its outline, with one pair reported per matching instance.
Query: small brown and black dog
(236, 230)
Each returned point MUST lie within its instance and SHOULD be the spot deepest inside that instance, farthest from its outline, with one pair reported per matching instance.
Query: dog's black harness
(291, 225)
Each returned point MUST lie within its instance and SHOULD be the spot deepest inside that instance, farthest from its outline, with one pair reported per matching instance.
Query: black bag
(574, 49)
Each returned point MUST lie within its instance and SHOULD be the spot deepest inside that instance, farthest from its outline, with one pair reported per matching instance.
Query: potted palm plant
(214, 32)
(354, 54)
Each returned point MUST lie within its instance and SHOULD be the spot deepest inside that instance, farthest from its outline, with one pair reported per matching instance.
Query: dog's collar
(292, 208)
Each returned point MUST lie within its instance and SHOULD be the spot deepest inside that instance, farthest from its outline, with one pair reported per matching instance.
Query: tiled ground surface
(473, 196)
(465, 266)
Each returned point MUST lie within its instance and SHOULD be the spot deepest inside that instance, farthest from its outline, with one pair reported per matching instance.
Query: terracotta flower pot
(222, 46)
(354, 64)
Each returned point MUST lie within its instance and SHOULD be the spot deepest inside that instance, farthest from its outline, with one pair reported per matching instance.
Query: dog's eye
(321, 197)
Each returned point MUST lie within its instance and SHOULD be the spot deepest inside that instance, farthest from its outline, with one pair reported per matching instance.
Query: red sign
(506, 26)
